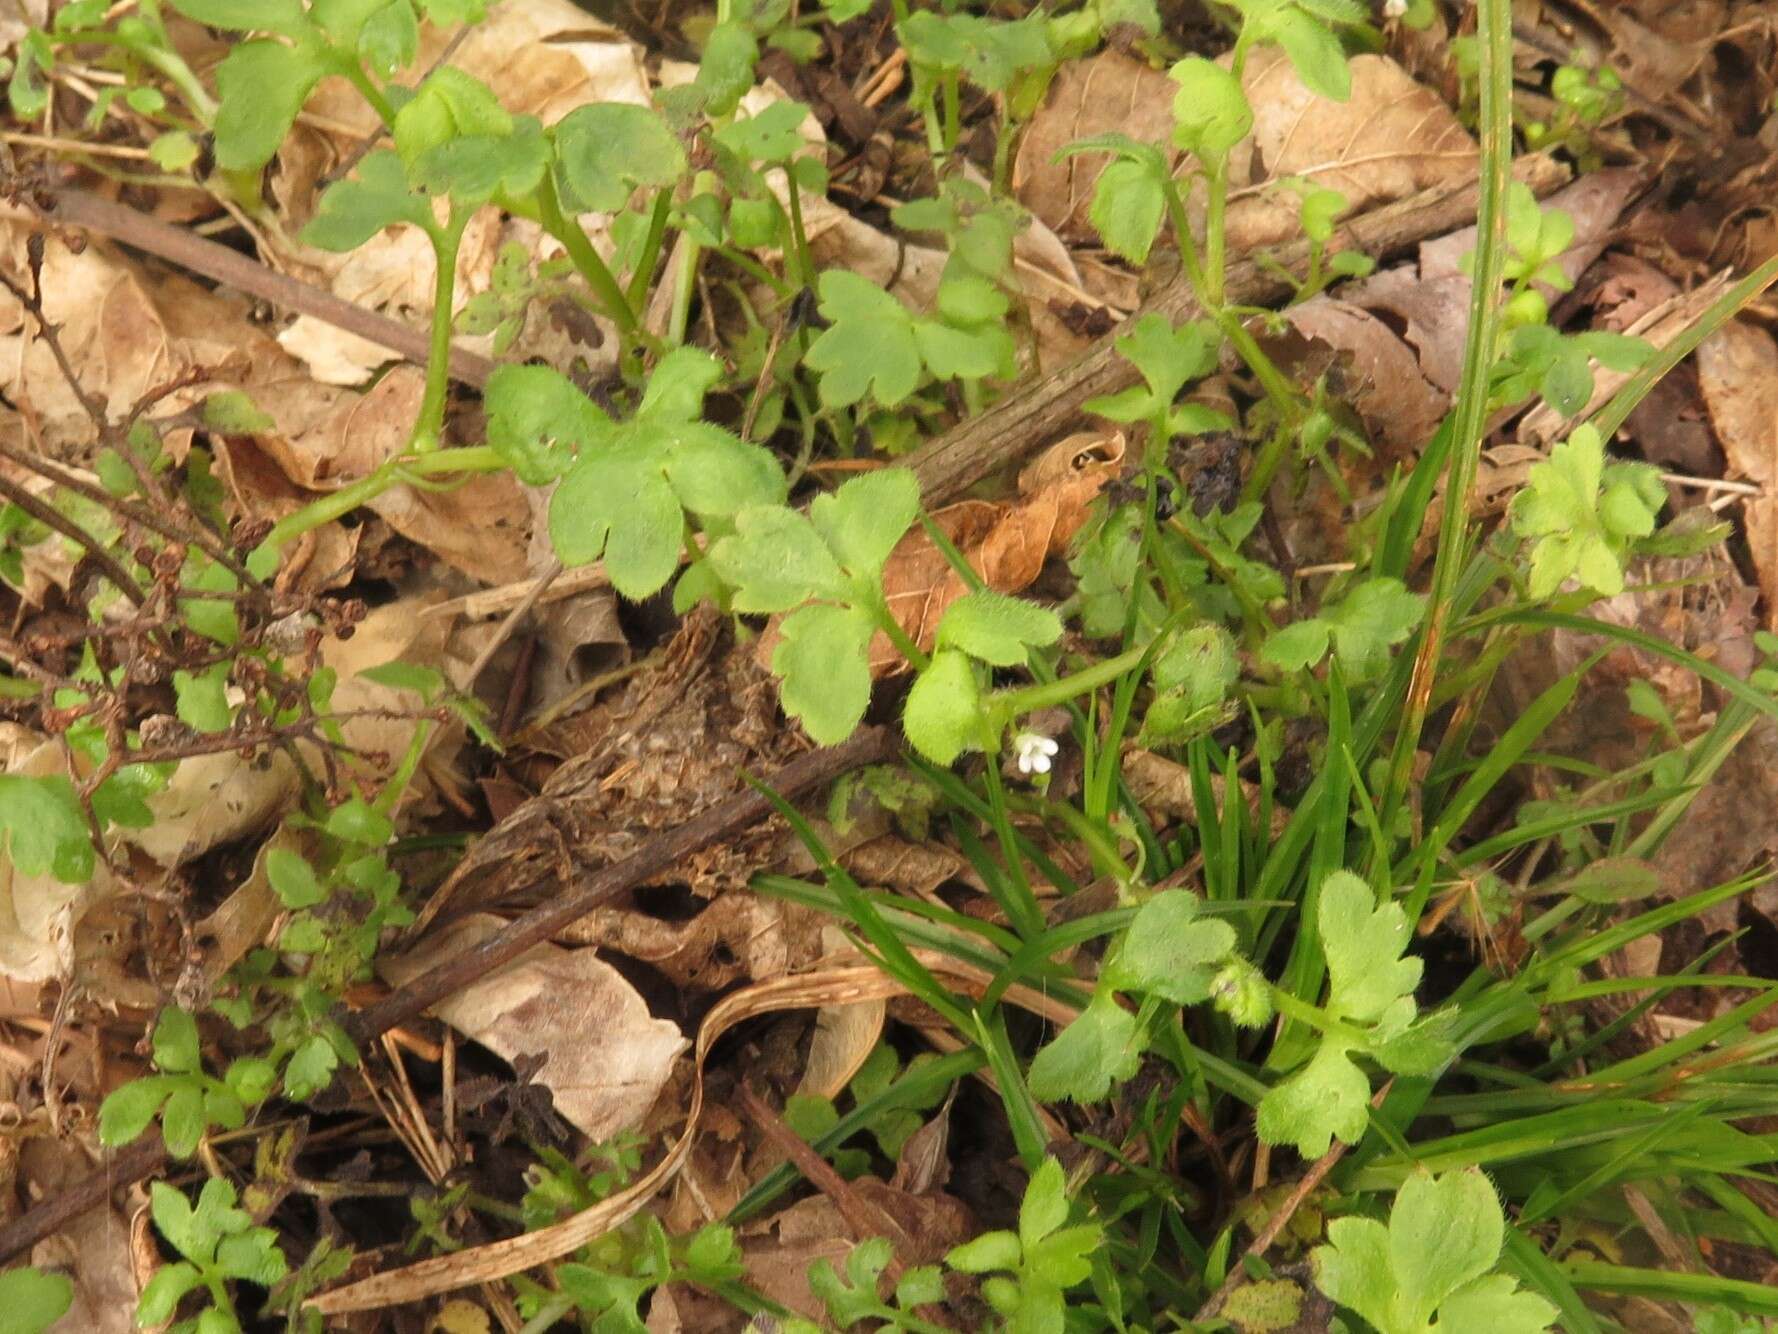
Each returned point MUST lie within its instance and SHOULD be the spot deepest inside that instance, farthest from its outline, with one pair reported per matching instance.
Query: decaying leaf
(1380, 375)
(1005, 542)
(607, 1059)
(1738, 375)
(1391, 138)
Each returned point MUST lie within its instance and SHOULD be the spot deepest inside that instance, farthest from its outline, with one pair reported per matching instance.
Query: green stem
(1471, 413)
(1048, 694)
(651, 249)
(684, 284)
(585, 259)
(429, 423)
(478, 458)
(1216, 182)
(904, 644)
(353, 72)
(1313, 1016)
(805, 261)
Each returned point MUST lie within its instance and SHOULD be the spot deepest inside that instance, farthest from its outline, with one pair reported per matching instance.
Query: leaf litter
(677, 716)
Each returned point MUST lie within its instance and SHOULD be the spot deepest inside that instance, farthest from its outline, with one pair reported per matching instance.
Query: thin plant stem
(1470, 417)
(429, 423)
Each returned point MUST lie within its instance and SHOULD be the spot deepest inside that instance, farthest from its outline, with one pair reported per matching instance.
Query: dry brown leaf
(126, 328)
(606, 1058)
(1738, 375)
(1005, 542)
(1391, 138)
(1383, 380)
(1108, 91)
(844, 984)
(845, 1036)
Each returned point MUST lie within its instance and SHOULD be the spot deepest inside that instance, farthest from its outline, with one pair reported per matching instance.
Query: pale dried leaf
(607, 1059)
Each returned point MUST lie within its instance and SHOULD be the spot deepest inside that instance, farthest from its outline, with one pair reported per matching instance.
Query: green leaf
(868, 346)
(233, 412)
(165, 1291)
(1327, 1097)
(253, 1256)
(607, 150)
(773, 135)
(178, 1223)
(450, 104)
(182, 1120)
(776, 560)
(354, 210)
(1102, 1047)
(1210, 110)
(863, 520)
(1315, 53)
(538, 421)
(1127, 209)
(281, 16)
(176, 1049)
(1353, 1269)
(1444, 1232)
(390, 38)
(1370, 620)
(43, 829)
(252, 1079)
(823, 663)
(1363, 942)
(996, 628)
(262, 86)
(310, 1068)
(1170, 950)
(475, 168)
(1297, 646)
(1497, 1304)
(293, 879)
(1264, 1306)
(983, 1254)
(716, 473)
(1582, 514)
(129, 1108)
(1045, 1206)
(614, 502)
(201, 698)
(356, 821)
(34, 1300)
(943, 712)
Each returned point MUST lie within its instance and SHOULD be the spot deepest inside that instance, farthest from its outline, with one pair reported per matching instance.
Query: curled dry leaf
(1005, 542)
(843, 984)
(606, 1058)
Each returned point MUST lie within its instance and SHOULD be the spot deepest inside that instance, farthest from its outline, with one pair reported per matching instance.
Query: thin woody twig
(77, 208)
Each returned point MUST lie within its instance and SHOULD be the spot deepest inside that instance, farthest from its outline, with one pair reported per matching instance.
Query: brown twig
(1312, 1179)
(865, 1218)
(52, 518)
(77, 208)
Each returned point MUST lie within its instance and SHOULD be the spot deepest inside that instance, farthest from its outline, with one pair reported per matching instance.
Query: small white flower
(1394, 9)
(1034, 751)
